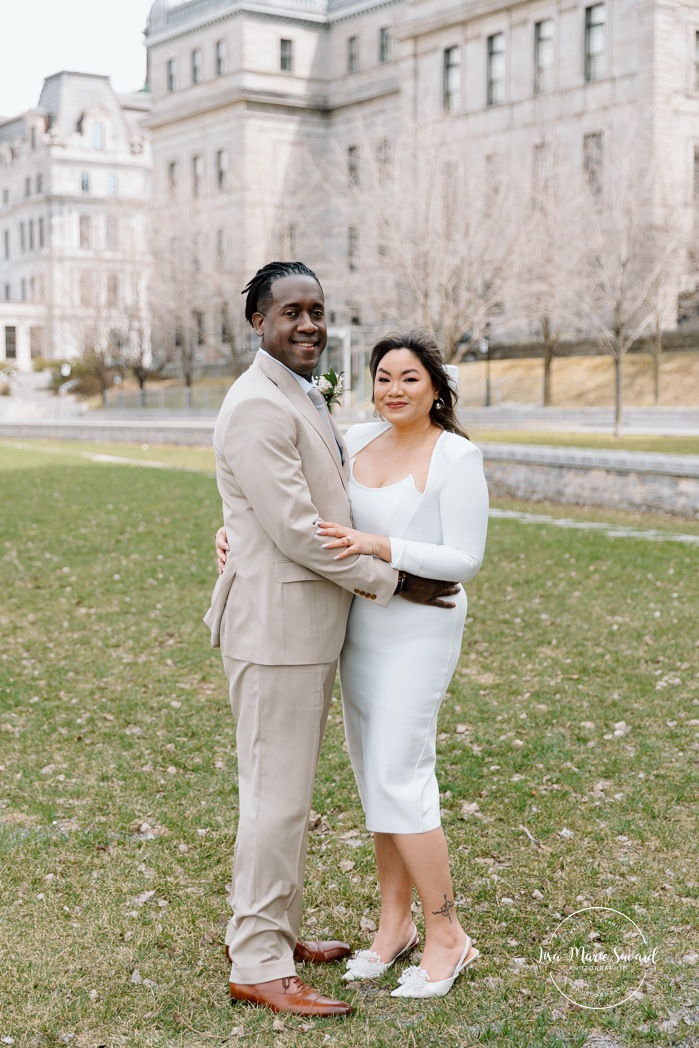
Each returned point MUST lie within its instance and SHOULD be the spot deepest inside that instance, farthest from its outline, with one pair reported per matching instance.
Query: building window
(220, 57)
(85, 231)
(543, 56)
(22, 238)
(7, 292)
(40, 183)
(223, 325)
(286, 56)
(27, 187)
(111, 233)
(696, 177)
(353, 165)
(221, 247)
(201, 327)
(85, 287)
(23, 290)
(197, 173)
(352, 248)
(10, 343)
(112, 183)
(32, 139)
(6, 243)
(222, 169)
(595, 41)
(288, 242)
(196, 66)
(85, 182)
(539, 174)
(593, 162)
(42, 233)
(36, 340)
(496, 69)
(5, 197)
(384, 45)
(352, 54)
(112, 291)
(172, 176)
(451, 79)
(172, 74)
(383, 159)
(98, 135)
(31, 234)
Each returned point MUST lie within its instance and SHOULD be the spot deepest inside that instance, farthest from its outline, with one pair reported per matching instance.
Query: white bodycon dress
(397, 661)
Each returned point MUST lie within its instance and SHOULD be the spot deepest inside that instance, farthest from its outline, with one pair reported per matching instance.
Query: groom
(278, 613)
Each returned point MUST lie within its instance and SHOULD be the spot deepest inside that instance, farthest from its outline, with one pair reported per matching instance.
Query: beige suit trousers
(280, 712)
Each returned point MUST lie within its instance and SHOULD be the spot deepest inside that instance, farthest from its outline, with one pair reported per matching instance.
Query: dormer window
(98, 135)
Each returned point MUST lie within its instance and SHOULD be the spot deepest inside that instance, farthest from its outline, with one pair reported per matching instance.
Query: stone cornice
(215, 17)
(357, 8)
(353, 9)
(236, 95)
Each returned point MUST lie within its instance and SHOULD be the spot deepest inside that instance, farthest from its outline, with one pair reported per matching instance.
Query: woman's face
(403, 390)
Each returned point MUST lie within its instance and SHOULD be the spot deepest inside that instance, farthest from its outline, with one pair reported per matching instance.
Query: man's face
(292, 328)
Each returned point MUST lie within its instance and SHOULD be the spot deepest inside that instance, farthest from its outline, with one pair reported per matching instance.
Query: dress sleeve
(463, 509)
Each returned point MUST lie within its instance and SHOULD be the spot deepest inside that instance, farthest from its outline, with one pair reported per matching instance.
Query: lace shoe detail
(365, 965)
(414, 978)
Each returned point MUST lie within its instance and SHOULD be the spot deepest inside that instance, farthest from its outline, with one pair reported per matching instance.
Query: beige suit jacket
(282, 599)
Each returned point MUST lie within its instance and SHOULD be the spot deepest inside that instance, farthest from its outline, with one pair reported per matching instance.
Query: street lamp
(484, 350)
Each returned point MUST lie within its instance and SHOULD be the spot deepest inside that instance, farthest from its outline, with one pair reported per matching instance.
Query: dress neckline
(397, 483)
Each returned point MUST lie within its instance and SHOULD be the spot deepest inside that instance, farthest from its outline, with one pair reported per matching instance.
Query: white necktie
(318, 401)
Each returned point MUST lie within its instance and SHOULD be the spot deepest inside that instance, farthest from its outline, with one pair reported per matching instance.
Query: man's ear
(258, 322)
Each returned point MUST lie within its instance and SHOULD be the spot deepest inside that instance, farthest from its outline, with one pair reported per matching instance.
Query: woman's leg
(396, 922)
(425, 859)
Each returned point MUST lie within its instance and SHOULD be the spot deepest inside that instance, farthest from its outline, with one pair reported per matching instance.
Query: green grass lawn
(667, 444)
(567, 761)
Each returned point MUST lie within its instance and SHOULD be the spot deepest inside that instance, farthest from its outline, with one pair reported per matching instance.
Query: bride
(419, 501)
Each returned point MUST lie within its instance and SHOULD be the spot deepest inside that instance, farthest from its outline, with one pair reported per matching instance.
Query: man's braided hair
(259, 290)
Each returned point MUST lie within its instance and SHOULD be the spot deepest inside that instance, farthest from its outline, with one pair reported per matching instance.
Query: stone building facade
(74, 194)
(251, 99)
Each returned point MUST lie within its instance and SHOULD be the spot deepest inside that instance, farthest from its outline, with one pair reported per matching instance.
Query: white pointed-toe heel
(368, 965)
(415, 982)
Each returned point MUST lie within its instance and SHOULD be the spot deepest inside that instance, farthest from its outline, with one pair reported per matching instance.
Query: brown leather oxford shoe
(321, 952)
(289, 995)
(315, 952)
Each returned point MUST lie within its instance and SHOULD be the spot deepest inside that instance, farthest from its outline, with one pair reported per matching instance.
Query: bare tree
(195, 292)
(550, 251)
(625, 268)
(424, 237)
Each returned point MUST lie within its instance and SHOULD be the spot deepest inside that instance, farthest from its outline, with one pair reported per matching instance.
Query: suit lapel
(288, 385)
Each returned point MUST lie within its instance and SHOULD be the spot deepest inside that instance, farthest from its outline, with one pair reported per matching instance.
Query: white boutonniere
(331, 387)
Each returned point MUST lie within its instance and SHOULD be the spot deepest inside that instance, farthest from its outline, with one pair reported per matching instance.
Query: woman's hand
(222, 549)
(352, 542)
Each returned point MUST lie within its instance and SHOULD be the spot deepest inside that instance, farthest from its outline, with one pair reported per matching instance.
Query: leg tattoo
(446, 909)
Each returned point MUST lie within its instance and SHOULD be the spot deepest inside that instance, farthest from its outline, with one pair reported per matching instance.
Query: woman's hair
(424, 347)
(259, 289)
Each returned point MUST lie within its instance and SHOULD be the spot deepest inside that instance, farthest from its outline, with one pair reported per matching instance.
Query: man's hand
(222, 548)
(429, 591)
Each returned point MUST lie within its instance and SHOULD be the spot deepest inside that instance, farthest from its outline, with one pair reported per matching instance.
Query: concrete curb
(631, 480)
